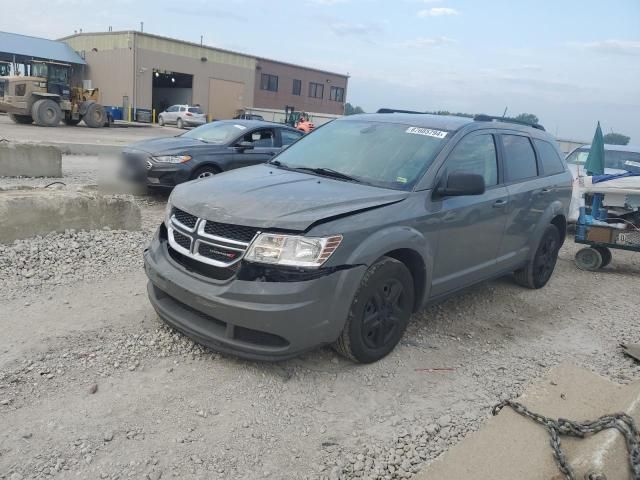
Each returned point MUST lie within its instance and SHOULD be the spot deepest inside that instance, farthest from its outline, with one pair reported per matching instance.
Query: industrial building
(141, 72)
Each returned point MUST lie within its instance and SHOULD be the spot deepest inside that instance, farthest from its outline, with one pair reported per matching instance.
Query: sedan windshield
(614, 159)
(218, 133)
(387, 155)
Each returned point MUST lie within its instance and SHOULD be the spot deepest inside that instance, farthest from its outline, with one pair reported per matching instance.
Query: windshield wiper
(329, 172)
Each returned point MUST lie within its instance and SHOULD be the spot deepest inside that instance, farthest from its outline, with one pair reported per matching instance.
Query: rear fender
(554, 209)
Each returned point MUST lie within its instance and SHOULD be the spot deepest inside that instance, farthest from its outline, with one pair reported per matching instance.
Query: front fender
(396, 240)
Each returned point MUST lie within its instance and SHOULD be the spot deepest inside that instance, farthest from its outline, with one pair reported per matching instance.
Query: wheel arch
(416, 266)
(206, 163)
(560, 222)
(406, 245)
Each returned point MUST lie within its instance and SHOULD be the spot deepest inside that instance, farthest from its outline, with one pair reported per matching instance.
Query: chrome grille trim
(199, 237)
(230, 241)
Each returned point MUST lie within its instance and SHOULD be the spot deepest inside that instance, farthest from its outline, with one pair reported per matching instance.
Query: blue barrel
(116, 112)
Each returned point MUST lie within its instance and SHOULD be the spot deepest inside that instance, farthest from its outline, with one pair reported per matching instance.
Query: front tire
(379, 313)
(205, 172)
(96, 116)
(538, 271)
(161, 121)
(589, 259)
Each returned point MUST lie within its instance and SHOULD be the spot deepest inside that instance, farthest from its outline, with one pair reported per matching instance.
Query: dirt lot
(92, 385)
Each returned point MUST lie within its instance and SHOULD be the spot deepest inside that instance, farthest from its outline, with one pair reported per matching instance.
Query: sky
(570, 62)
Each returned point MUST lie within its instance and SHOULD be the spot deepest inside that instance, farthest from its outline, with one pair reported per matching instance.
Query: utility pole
(142, 26)
(505, 112)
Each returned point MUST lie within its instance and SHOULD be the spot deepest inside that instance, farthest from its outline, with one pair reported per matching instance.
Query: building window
(336, 94)
(316, 90)
(269, 82)
(297, 87)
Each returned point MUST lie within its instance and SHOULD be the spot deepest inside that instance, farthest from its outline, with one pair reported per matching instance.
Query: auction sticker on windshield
(426, 131)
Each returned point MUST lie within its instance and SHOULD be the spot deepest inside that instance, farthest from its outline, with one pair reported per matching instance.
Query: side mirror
(459, 184)
(242, 146)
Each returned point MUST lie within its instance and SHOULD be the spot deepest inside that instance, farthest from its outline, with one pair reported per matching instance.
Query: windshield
(387, 155)
(615, 159)
(217, 132)
(195, 110)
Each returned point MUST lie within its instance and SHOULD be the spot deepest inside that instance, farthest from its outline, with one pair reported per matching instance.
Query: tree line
(530, 118)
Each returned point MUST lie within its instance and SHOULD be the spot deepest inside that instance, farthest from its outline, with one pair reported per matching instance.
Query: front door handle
(500, 204)
(272, 153)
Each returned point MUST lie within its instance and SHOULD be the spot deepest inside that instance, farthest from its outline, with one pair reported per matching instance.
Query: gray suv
(346, 233)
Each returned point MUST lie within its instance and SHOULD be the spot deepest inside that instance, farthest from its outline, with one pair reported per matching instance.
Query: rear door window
(551, 162)
(519, 158)
(182, 109)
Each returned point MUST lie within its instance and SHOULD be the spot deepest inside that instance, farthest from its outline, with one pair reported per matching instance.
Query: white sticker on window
(426, 131)
(241, 127)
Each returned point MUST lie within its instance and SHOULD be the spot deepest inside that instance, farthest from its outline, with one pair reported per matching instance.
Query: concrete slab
(510, 446)
(28, 212)
(29, 160)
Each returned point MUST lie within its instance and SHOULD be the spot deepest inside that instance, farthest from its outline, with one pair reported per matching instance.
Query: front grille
(239, 233)
(218, 253)
(182, 240)
(206, 270)
(185, 218)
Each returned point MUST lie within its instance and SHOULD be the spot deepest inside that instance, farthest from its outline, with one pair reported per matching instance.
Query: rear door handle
(500, 204)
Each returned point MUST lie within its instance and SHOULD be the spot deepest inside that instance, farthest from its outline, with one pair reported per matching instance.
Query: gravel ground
(93, 385)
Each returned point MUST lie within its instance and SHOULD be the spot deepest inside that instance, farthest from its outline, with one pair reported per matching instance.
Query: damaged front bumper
(254, 314)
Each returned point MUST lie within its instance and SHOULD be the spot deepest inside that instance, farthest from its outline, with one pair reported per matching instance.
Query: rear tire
(46, 113)
(21, 119)
(95, 117)
(606, 255)
(379, 313)
(588, 259)
(179, 124)
(539, 269)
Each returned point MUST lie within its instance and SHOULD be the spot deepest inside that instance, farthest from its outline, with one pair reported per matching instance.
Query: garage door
(225, 98)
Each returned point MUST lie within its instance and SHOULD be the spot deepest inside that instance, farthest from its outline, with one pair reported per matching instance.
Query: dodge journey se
(342, 236)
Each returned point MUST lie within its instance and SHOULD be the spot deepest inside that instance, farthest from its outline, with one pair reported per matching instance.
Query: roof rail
(393, 110)
(490, 118)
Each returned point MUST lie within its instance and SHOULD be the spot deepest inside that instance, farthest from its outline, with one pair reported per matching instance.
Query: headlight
(172, 158)
(292, 250)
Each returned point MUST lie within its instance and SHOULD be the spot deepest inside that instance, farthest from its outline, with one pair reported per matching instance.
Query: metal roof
(34, 47)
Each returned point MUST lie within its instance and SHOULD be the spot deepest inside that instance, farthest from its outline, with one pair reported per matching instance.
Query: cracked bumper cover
(251, 319)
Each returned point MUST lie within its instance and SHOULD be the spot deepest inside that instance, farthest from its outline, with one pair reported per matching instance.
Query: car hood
(266, 197)
(171, 145)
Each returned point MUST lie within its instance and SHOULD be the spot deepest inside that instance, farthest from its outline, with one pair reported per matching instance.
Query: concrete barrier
(510, 446)
(29, 160)
(25, 213)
